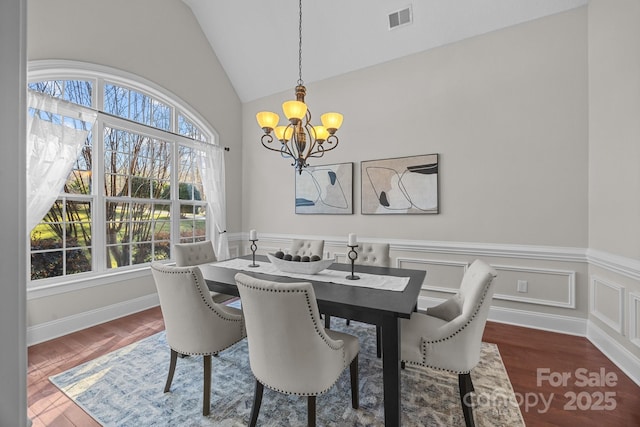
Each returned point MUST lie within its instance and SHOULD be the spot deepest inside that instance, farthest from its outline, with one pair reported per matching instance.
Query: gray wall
(538, 134)
(506, 111)
(13, 369)
(614, 171)
(614, 127)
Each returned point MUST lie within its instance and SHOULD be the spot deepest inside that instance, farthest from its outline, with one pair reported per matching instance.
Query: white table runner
(387, 283)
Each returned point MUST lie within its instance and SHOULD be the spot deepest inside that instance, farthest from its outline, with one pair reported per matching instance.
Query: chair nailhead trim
(316, 327)
(212, 308)
(425, 342)
(215, 311)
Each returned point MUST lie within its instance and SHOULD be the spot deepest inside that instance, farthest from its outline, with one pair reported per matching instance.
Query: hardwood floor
(48, 406)
(524, 352)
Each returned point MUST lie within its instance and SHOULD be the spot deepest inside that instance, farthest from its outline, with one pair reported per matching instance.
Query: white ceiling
(257, 40)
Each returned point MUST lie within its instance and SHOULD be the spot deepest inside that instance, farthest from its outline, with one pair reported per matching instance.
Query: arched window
(136, 187)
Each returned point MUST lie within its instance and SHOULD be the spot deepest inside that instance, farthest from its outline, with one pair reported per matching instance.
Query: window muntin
(134, 105)
(136, 165)
(191, 195)
(187, 128)
(76, 91)
(137, 232)
(137, 169)
(61, 243)
(133, 196)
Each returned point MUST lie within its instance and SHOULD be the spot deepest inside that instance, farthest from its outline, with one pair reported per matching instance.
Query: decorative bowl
(299, 267)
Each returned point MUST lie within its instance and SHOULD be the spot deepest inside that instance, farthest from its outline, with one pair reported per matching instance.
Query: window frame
(98, 75)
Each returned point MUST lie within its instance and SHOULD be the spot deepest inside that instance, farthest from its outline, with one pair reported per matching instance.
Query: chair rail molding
(615, 263)
(503, 250)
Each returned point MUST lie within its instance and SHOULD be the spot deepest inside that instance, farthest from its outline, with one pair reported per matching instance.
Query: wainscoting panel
(442, 275)
(340, 257)
(634, 318)
(550, 287)
(607, 303)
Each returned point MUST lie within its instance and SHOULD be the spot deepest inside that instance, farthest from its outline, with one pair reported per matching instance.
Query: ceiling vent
(400, 18)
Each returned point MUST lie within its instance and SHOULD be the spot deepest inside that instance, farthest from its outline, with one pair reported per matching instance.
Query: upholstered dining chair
(289, 351)
(449, 336)
(189, 254)
(373, 254)
(194, 323)
(304, 247)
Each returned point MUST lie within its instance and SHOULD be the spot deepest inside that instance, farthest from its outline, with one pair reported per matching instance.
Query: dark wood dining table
(382, 308)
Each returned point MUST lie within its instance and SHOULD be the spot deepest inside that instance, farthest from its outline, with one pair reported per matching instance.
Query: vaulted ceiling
(257, 40)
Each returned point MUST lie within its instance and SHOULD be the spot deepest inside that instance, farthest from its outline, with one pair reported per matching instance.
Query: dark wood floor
(524, 352)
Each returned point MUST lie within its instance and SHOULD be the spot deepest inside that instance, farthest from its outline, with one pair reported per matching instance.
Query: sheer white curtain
(53, 144)
(211, 164)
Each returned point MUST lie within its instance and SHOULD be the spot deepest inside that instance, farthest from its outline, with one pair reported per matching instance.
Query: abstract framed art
(403, 185)
(325, 189)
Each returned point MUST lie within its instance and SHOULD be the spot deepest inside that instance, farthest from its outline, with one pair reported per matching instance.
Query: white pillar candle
(353, 241)
(253, 235)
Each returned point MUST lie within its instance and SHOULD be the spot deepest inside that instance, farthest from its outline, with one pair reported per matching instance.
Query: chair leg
(327, 321)
(257, 401)
(206, 398)
(311, 411)
(172, 368)
(355, 393)
(348, 322)
(378, 342)
(466, 388)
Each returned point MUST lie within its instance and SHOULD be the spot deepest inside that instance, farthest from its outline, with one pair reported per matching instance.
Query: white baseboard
(59, 327)
(620, 356)
(623, 358)
(543, 321)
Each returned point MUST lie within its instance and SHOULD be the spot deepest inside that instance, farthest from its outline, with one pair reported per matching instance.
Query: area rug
(125, 388)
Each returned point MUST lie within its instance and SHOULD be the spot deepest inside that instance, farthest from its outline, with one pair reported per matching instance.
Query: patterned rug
(125, 388)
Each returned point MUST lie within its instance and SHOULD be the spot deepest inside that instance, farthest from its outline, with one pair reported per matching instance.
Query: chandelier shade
(299, 139)
(294, 111)
(321, 133)
(267, 119)
(331, 121)
(284, 133)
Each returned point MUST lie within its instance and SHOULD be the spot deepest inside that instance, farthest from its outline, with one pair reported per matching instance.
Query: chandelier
(299, 139)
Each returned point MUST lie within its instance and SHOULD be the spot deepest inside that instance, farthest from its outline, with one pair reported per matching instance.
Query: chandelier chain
(300, 82)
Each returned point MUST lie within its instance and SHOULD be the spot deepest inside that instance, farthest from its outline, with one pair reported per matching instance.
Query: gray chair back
(289, 350)
(187, 254)
(452, 338)
(307, 247)
(376, 254)
(194, 323)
